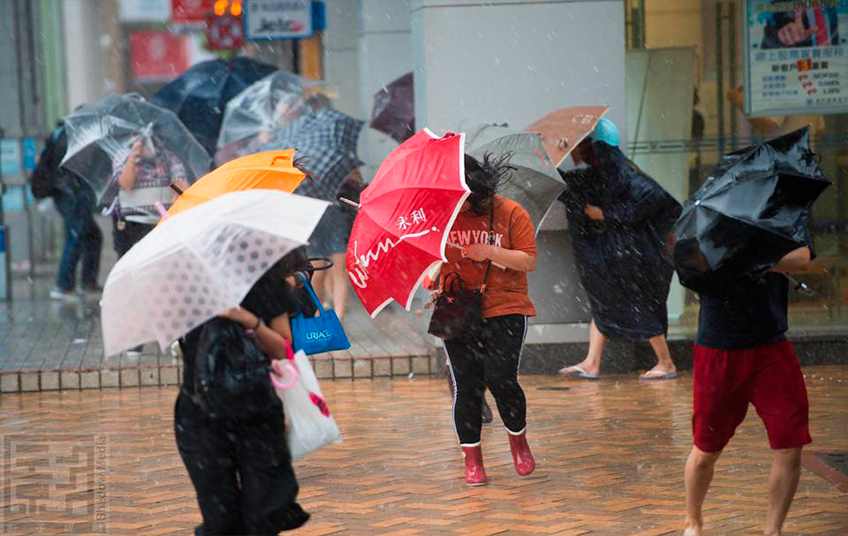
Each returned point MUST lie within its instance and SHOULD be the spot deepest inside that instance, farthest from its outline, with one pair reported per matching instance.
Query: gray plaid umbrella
(325, 141)
(100, 135)
(535, 184)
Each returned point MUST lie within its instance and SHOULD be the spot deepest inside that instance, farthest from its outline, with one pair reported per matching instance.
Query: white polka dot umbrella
(199, 263)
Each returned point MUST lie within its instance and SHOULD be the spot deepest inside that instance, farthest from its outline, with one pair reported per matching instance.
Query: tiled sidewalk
(47, 345)
(610, 462)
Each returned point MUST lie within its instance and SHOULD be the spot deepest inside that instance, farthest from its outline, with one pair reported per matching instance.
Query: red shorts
(767, 376)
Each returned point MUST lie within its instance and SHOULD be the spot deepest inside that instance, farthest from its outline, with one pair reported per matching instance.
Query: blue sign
(14, 199)
(10, 157)
(5, 291)
(30, 154)
(278, 19)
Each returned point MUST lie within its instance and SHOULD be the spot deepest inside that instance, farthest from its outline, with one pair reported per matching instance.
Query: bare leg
(664, 362)
(339, 285)
(319, 280)
(700, 467)
(597, 342)
(782, 482)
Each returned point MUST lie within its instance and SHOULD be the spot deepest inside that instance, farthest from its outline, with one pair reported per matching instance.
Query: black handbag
(458, 309)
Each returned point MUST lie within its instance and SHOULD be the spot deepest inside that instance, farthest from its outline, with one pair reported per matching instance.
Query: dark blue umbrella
(199, 97)
(325, 141)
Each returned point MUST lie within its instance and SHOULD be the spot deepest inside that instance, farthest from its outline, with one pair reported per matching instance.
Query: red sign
(191, 11)
(224, 33)
(158, 55)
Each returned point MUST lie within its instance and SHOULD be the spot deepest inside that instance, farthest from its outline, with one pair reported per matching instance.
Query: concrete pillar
(341, 54)
(513, 61)
(85, 65)
(385, 53)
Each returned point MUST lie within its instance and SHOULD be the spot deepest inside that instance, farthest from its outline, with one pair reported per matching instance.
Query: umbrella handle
(495, 264)
(160, 208)
(347, 201)
(799, 286)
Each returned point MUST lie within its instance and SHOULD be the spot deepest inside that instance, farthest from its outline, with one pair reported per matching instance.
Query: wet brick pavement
(610, 460)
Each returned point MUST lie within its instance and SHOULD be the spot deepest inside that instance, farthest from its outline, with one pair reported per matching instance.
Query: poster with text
(277, 19)
(796, 57)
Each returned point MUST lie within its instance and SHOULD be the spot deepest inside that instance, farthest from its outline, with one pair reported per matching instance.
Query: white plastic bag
(47, 208)
(310, 424)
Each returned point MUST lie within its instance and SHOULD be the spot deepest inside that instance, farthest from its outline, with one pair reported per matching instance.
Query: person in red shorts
(742, 356)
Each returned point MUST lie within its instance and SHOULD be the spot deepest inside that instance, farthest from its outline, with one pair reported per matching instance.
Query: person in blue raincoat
(620, 220)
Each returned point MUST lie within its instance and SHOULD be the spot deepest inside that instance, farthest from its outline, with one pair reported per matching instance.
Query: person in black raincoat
(241, 467)
(620, 220)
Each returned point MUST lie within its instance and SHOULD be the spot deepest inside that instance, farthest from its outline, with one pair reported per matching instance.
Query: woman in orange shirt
(491, 228)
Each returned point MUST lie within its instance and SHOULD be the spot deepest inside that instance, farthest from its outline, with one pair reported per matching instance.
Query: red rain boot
(475, 473)
(522, 458)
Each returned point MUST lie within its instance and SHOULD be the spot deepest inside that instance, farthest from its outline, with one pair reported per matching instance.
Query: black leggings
(488, 358)
(242, 472)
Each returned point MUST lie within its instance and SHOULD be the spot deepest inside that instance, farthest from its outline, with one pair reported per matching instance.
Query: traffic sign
(225, 33)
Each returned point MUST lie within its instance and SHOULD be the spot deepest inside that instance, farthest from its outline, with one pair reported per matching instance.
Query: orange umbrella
(563, 130)
(271, 170)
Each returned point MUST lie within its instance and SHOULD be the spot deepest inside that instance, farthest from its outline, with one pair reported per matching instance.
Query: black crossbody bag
(459, 309)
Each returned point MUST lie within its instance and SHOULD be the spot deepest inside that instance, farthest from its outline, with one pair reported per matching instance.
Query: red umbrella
(404, 218)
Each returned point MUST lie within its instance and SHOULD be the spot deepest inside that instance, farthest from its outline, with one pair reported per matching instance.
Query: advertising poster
(796, 57)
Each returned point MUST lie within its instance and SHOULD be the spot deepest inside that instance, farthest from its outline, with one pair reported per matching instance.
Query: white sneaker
(64, 295)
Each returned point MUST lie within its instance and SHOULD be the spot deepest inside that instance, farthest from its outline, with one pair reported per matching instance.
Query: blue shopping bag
(319, 334)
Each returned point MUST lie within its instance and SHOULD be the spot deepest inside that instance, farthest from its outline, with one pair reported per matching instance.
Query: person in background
(330, 240)
(76, 202)
(620, 220)
(491, 229)
(143, 179)
(742, 357)
(241, 468)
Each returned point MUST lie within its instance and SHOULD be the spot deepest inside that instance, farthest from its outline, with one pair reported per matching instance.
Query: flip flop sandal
(578, 372)
(654, 375)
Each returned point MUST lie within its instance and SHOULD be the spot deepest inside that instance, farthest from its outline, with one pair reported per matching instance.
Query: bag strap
(314, 296)
(449, 281)
(488, 242)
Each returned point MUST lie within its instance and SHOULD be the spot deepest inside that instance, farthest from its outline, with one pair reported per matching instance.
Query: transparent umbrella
(265, 106)
(101, 134)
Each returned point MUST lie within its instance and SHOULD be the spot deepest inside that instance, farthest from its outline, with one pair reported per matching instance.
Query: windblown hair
(485, 178)
(302, 163)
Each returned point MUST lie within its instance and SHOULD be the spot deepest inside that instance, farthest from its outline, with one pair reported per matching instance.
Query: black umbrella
(749, 213)
(394, 109)
(199, 97)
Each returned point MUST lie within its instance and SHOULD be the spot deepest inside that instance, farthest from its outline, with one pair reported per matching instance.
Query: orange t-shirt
(506, 290)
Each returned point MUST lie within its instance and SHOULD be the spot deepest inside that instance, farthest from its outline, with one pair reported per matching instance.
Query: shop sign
(278, 19)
